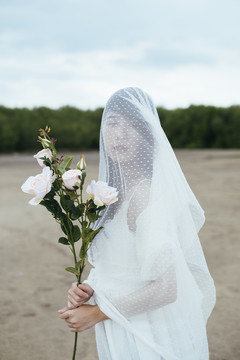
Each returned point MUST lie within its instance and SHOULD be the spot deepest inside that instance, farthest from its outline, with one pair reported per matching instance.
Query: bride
(150, 292)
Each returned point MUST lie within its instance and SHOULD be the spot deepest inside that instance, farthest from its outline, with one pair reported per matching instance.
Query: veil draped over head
(149, 275)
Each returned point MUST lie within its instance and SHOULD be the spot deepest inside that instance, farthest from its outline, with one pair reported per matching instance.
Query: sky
(79, 52)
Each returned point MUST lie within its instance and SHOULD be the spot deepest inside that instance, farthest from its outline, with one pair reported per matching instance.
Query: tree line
(193, 127)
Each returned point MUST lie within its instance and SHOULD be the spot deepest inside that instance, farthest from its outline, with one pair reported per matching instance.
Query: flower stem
(75, 346)
(76, 334)
(74, 254)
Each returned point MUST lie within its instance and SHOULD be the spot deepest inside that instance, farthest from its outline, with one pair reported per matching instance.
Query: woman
(150, 290)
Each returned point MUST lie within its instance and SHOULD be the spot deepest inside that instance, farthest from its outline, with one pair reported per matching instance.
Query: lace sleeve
(161, 288)
(156, 294)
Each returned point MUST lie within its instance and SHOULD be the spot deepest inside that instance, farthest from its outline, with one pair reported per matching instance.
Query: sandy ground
(34, 283)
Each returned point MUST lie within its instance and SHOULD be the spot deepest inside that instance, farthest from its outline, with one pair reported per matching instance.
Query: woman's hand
(78, 295)
(83, 317)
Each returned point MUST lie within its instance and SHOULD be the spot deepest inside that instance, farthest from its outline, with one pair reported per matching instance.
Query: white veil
(150, 275)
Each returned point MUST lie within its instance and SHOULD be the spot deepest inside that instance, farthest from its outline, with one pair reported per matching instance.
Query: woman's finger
(66, 314)
(86, 288)
(63, 309)
(73, 294)
(78, 292)
(78, 295)
(72, 326)
(72, 300)
(74, 330)
(70, 305)
(76, 303)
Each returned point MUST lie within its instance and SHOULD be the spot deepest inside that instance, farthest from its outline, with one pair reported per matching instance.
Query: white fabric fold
(112, 312)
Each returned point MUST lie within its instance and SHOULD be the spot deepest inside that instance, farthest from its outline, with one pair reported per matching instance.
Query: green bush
(193, 127)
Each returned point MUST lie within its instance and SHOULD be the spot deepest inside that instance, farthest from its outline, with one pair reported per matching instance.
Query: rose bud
(72, 178)
(82, 163)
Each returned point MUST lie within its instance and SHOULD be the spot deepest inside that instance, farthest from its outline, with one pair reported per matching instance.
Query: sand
(34, 283)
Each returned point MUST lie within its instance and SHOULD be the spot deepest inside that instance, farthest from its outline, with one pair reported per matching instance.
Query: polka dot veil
(148, 263)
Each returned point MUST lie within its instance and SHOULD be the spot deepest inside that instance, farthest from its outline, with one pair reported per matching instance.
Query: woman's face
(120, 138)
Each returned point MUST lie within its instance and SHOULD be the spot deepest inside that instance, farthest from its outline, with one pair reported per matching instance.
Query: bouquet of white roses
(59, 189)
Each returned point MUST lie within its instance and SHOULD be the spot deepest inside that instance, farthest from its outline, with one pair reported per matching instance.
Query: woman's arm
(156, 294)
(83, 317)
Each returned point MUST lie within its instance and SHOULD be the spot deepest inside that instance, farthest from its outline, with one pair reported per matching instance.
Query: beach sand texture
(34, 283)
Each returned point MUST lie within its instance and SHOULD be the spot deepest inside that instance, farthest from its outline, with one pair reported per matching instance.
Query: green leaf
(72, 194)
(51, 194)
(65, 164)
(94, 233)
(47, 204)
(92, 216)
(67, 203)
(83, 250)
(60, 170)
(82, 208)
(46, 161)
(63, 229)
(57, 208)
(92, 207)
(78, 265)
(76, 233)
(85, 232)
(101, 207)
(63, 240)
(88, 234)
(53, 206)
(72, 270)
(75, 214)
(66, 226)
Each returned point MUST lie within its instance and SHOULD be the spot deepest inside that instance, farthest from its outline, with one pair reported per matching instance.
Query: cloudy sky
(78, 52)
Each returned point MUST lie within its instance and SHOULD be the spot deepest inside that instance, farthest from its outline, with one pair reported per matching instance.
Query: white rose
(42, 153)
(39, 185)
(101, 193)
(72, 178)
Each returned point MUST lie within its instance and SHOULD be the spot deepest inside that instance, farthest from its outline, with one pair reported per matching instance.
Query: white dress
(143, 324)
